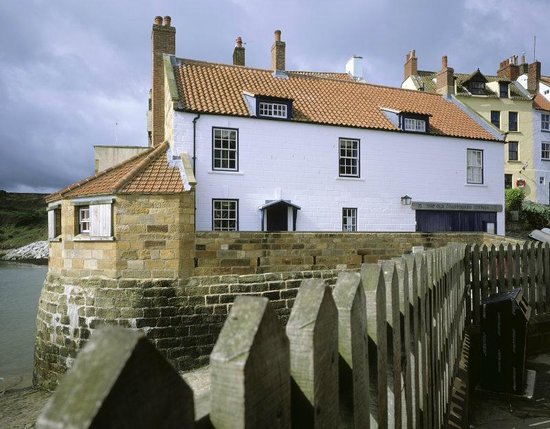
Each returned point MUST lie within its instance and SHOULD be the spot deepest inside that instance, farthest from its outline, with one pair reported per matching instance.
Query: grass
(23, 219)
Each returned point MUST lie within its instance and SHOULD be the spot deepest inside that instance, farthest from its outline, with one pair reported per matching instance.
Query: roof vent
(279, 74)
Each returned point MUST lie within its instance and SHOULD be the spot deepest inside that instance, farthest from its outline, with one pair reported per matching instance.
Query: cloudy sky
(74, 74)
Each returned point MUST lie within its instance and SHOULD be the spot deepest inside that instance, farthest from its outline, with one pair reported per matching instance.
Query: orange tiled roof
(541, 103)
(218, 88)
(147, 173)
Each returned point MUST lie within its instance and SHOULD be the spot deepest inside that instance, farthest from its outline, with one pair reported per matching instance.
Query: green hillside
(23, 219)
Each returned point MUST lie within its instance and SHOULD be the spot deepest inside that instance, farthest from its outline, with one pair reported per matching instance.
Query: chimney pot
(238, 52)
(239, 42)
(278, 52)
(277, 35)
(167, 21)
(158, 20)
(444, 62)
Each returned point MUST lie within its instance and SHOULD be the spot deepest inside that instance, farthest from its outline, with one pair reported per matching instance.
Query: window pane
(225, 154)
(349, 157)
(349, 219)
(224, 215)
(474, 170)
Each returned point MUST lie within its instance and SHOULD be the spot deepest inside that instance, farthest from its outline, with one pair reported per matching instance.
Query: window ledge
(514, 161)
(234, 173)
(353, 179)
(513, 132)
(544, 131)
(83, 237)
(476, 185)
(545, 159)
(55, 239)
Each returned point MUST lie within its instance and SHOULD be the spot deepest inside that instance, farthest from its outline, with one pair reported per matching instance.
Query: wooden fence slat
(349, 297)
(524, 278)
(501, 269)
(546, 265)
(252, 346)
(485, 288)
(372, 278)
(394, 321)
(476, 286)
(467, 275)
(492, 269)
(540, 279)
(517, 266)
(312, 330)
(102, 390)
(405, 282)
(510, 267)
(533, 276)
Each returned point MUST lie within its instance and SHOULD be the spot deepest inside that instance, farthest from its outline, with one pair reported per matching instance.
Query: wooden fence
(377, 350)
(505, 267)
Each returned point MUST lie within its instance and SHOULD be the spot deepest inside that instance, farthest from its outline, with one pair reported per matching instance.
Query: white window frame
(272, 110)
(474, 170)
(545, 151)
(225, 149)
(545, 121)
(349, 219)
(225, 214)
(414, 124)
(349, 157)
(84, 220)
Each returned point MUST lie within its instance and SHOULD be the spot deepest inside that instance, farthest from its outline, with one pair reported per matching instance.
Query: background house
(507, 101)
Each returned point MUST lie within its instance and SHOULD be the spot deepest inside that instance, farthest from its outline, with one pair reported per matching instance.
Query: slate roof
(146, 173)
(218, 89)
(427, 81)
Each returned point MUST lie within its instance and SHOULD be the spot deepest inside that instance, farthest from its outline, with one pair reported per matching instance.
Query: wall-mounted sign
(466, 207)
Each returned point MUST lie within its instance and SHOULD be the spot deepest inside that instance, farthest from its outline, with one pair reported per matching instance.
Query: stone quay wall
(262, 252)
(181, 317)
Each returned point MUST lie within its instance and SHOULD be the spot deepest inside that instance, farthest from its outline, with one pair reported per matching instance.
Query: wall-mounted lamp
(406, 200)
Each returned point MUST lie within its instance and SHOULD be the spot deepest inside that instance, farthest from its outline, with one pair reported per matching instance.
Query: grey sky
(71, 70)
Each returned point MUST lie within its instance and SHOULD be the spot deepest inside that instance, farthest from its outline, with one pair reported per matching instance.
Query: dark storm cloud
(76, 74)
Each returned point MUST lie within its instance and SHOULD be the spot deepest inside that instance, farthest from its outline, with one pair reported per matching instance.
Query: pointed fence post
(313, 334)
(353, 348)
(250, 369)
(372, 278)
(120, 380)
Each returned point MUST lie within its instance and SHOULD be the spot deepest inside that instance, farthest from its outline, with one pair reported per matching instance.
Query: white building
(285, 150)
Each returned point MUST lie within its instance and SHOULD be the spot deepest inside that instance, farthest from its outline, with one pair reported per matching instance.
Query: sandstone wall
(261, 252)
(183, 319)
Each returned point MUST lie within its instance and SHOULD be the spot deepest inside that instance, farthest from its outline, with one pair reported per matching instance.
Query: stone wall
(182, 318)
(260, 252)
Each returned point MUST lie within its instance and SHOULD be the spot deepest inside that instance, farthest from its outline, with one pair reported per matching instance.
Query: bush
(536, 215)
(513, 199)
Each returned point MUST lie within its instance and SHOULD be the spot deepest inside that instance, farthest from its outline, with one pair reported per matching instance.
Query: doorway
(277, 217)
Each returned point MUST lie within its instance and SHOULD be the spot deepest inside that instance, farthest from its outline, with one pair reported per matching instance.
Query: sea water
(20, 286)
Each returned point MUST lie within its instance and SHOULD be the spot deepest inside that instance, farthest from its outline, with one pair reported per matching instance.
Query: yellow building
(499, 101)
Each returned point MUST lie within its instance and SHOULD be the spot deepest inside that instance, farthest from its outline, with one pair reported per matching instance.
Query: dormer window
(414, 123)
(477, 88)
(273, 108)
(503, 89)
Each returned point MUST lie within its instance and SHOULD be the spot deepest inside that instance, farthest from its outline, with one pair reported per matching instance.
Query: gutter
(195, 142)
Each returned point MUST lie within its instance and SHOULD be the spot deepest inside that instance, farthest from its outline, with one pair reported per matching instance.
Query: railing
(378, 350)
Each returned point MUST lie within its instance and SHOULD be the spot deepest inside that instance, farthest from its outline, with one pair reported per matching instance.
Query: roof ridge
(145, 162)
(93, 177)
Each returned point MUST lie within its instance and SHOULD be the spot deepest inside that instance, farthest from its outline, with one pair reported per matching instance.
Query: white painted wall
(299, 162)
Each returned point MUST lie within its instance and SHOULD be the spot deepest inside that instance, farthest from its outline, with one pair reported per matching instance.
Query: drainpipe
(195, 142)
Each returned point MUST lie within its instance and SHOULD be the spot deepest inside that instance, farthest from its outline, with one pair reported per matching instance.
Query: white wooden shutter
(100, 220)
(51, 224)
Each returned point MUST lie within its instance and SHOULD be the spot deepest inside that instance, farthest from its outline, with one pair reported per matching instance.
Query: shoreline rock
(36, 252)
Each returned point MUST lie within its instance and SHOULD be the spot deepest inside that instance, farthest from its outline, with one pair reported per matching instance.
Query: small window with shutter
(93, 220)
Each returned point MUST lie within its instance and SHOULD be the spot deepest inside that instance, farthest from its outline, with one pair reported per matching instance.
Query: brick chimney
(411, 65)
(509, 69)
(278, 52)
(444, 80)
(523, 67)
(238, 53)
(533, 77)
(163, 41)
